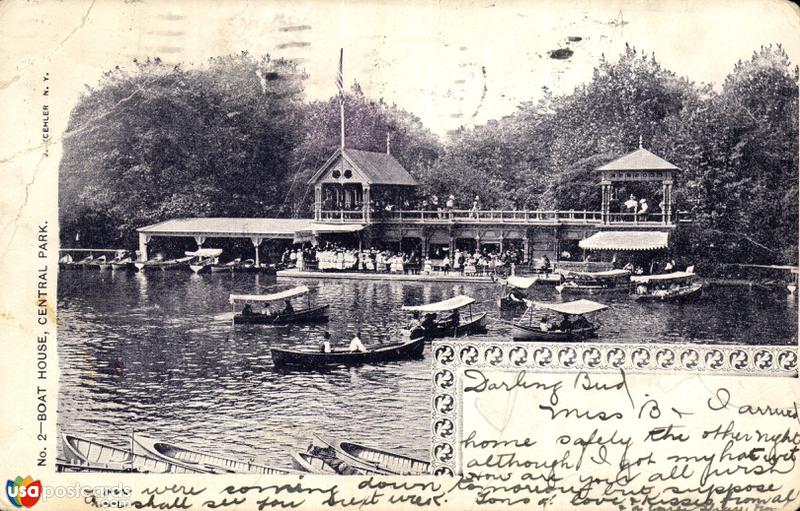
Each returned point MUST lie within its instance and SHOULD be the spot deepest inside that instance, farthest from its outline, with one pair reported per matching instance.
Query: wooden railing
(527, 217)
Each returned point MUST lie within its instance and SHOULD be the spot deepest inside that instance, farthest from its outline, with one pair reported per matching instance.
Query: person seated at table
(565, 325)
(356, 344)
(287, 307)
(247, 310)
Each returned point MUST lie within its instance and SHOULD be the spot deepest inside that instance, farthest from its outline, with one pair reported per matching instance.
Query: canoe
(197, 461)
(476, 325)
(690, 292)
(327, 463)
(380, 459)
(318, 313)
(100, 457)
(534, 333)
(383, 353)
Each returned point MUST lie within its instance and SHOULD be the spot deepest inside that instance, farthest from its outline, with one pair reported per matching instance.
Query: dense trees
(236, 137)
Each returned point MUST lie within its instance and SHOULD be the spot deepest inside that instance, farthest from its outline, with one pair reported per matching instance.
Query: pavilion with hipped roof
(639, 166)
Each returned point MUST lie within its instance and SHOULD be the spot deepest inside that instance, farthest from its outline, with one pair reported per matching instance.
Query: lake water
(193, 379)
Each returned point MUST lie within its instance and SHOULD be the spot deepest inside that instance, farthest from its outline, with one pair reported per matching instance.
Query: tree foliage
(236, 138)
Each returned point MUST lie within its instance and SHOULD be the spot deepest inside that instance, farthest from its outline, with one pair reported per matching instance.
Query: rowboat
(195, 461)
(595, 282)
(288, 315)
(125, 263)
(453, 326)
(205, 258)
(382, 460)
(667, 287)
(121, 258)
(536, 327)
(68, 263)
(227, 267)
(161, 264)
(97, 262)
(324, 461)
(99, 457)
(341, 356)
(63, 465)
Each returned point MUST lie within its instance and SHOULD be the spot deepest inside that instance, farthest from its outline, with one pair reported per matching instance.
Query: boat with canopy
(432, 326)
(537, 324)
(287, 315)
(675, 286)
(514, 291)
(609, 281)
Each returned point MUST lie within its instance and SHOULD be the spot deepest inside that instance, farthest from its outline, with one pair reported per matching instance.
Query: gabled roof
(378, 168)
(640, 159)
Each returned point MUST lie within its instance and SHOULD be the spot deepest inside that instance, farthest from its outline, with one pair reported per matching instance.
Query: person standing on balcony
(643, 208)
(631, 204)
(476, 205)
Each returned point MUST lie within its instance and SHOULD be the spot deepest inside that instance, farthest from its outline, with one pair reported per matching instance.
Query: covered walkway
(256, 229)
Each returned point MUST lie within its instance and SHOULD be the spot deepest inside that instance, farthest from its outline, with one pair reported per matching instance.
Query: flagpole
(341, 116)
(340, 82)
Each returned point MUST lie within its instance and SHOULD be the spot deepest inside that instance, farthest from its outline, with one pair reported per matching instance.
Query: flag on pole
(340, 74)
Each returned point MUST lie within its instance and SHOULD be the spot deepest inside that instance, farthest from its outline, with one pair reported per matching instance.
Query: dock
(405, 277)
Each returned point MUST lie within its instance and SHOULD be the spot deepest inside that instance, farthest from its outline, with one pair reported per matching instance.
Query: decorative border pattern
(450, 357)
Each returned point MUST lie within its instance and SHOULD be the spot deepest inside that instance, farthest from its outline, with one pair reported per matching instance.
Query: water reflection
(189, 377)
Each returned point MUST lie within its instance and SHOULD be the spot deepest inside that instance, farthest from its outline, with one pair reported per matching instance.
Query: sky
(450, 63)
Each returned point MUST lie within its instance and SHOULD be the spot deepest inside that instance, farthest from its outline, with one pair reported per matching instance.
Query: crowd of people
(639, 208)
(332, 256)
(388, 204)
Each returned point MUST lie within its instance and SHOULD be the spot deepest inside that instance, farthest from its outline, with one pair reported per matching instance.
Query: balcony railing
(527, 217)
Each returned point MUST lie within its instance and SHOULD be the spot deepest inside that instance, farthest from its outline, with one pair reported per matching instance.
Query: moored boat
(197, 461)
(595, 282)
(667, 287)
(287, 315)
(97, 262)
(125, 263)
(535, 326)
(387, 352)
(382, 460)
(99, 457)
(323, 460)
(452, 326)
(229, 267)
(205, 258)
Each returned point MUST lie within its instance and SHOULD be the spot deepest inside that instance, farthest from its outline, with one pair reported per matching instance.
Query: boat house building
(352, 187)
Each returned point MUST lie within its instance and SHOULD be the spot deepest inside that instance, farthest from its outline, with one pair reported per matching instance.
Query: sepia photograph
(270, 216)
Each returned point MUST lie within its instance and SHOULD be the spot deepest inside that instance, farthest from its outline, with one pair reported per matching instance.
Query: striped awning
(625, 240)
